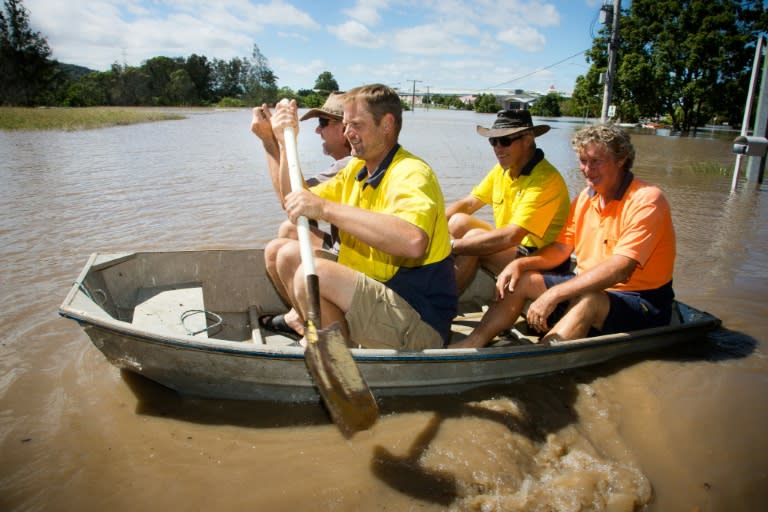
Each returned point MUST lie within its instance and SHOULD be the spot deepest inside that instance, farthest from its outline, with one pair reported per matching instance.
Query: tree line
(29, 77)
(686, 61)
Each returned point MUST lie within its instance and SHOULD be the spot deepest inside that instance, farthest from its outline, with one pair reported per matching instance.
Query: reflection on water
(677, 430)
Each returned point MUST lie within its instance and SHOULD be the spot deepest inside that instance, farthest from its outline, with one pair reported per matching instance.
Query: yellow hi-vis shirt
(537, 202)
(407, 189)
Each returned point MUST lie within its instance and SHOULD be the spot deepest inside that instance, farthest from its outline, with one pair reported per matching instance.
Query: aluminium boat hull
(231, 358)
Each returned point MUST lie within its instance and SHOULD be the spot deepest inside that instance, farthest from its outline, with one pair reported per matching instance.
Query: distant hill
(74, 72)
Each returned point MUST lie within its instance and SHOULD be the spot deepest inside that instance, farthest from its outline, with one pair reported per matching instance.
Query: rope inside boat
(83, 289)
(208, 314)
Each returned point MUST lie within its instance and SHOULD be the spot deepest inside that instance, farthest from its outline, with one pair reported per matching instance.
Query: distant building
(509, 99)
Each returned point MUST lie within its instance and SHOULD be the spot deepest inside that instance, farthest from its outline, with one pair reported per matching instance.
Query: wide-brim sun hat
(333, 108)
(510, 122)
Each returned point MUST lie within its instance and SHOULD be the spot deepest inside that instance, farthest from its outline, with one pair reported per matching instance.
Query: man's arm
(261, 126)
(286, 115)
(468, 205)
(616, 269)
(491, 241)
(385, 232)
(546, 258)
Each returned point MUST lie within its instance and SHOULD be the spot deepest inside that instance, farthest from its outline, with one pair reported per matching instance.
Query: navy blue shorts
(629, 311)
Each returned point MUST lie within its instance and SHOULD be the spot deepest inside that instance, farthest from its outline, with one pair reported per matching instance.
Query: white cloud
(295, 35)
(525, 38)
(366, 11)
(356, 34)
(519, 12)
(97, 33)
(305, 72)
(428, 40)
(440, 41)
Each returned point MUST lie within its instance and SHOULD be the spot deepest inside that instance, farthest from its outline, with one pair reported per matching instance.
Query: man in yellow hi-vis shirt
(393, 285)
(529, 198)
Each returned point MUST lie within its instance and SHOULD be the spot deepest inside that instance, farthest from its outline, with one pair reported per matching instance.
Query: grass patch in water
(70, 119)
(709, 168)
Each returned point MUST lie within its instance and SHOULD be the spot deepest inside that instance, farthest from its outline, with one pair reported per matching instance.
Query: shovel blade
(342, 387)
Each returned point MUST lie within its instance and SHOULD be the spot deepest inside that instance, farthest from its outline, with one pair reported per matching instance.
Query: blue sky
(444, 44)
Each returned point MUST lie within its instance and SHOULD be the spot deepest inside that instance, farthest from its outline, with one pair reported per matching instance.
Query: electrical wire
(539, 70)
(591, 33)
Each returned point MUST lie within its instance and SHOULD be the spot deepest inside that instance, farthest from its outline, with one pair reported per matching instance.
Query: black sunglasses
(505, 141)
(322, 122)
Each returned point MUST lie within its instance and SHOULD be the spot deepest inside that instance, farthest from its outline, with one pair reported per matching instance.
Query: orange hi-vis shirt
(636, 224)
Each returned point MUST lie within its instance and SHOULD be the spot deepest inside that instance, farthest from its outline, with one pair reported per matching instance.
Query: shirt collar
(622, 188)
(538, 156)
(375, 178)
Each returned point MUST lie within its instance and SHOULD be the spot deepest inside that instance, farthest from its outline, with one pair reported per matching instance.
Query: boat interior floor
(180, 309)
(519, 334)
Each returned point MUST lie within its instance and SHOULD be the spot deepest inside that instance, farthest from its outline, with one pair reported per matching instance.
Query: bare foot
(294, 321)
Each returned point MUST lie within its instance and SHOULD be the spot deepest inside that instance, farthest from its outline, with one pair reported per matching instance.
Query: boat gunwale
(363, 355)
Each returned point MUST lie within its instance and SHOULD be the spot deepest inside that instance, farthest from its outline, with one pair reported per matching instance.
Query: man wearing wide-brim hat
(528, 195)
(335, 145)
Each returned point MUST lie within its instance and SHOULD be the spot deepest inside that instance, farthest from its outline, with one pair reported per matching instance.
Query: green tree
(128, 86)
(27, 76)
(287, 92)
(566, 108)
(199, 70)
(548, 105)
(181, 89)
(261, 82)
(486, 103)
(89, 91)
(587, 95)
(159, 71)
(681, 58)
(325, 83)
(228, 78)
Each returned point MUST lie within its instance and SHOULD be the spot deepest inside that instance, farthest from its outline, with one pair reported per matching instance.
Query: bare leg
(287, 233)
(503, 314)
(463, 226)
(271, 252)
(337, 286)
(287, 229)
(466, 268)
(584, 312)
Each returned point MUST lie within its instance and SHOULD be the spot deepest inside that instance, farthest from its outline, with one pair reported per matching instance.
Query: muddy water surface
(681, 430)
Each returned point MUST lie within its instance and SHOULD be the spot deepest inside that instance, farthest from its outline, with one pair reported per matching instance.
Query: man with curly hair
(620, 229)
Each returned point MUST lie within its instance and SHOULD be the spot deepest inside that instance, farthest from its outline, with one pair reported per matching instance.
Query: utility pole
(428, 99)
(612, 50)
(413, 94)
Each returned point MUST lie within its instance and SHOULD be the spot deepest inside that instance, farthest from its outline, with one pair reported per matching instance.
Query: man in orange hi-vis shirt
(620, 230)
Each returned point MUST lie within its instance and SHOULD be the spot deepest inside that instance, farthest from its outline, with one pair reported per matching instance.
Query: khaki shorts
(380, 318)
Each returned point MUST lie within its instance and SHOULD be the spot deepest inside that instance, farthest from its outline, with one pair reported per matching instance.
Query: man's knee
(458, 224)
(287, 230)
(271, 250)
(530, 285)
(287, 258)
(592, 307)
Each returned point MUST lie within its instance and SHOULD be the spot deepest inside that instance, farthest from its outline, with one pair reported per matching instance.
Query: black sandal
(277, 324)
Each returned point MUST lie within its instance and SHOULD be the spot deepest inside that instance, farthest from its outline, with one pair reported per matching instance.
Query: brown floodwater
(680, 430)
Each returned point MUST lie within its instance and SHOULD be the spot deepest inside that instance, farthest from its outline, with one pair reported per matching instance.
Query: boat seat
(174, 309)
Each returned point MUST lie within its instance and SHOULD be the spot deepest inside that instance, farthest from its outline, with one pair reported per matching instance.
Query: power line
(539, 70)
